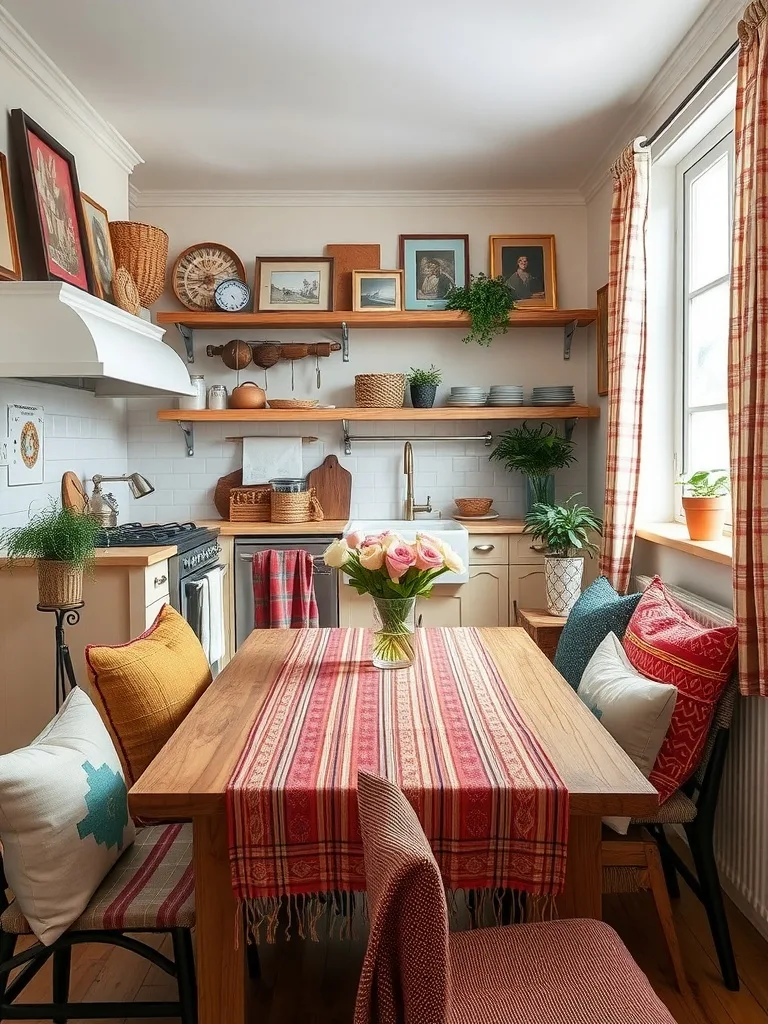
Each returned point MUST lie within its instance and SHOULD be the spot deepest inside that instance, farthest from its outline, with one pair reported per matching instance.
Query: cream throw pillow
(63, 817)
(636, 711)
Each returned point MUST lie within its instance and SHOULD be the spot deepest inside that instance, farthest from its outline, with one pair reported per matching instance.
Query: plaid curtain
(748, 353)
(626, 359)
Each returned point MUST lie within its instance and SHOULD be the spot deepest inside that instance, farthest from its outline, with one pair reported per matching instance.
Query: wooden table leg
(583, 894)
(221, 968)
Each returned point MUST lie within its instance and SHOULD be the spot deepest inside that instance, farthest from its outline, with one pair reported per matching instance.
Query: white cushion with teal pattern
(63, 817)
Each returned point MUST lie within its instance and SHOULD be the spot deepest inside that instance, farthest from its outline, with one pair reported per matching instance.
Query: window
(705, 205)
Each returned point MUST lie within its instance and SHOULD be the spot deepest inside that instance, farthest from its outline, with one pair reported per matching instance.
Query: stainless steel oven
(325, 579)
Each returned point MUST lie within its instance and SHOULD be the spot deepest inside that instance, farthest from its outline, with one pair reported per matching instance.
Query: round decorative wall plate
(199, 269)
(29, 444)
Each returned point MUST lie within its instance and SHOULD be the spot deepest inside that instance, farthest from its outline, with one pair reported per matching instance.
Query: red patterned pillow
(664, 643)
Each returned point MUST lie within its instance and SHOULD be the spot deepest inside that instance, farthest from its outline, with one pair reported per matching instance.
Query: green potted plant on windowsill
(62, 543)
(536, 452)
(488, 301)
(424, 385)
(566, 532)
(706, 505)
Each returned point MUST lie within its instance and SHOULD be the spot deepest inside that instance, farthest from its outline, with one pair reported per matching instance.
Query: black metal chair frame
(32, 959)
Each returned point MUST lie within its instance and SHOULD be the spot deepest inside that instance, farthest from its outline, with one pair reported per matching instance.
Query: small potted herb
(488, 301)
(565, 531)
(706, 504)
(424, 384)
(536, 452)
(62, 543)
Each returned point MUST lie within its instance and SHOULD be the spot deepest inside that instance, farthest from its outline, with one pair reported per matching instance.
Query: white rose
(337, 554)
(452, 561)
(372, 557)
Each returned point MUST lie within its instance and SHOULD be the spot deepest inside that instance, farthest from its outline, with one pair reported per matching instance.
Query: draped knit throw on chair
(626, 359)
(748, 354)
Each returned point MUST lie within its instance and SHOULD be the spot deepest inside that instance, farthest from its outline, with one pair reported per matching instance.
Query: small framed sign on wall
(26, 436)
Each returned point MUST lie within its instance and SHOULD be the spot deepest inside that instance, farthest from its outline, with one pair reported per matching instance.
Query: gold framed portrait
(527, 264)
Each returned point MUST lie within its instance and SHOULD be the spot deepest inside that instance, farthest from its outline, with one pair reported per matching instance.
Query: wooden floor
(314, 983)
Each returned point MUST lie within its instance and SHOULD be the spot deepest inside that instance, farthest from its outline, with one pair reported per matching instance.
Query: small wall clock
(199, 269)
(232, 295)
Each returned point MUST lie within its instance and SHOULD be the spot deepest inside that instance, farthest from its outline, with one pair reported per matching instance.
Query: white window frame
(711, 148)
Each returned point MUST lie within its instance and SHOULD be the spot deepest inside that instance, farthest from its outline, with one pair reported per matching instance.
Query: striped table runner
(446, 731)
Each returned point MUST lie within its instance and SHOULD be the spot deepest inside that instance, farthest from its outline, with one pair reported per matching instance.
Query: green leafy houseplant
(705, 483)
(564, 529)
(430, 378)
(536, 452)
(706, 504)
(488, 301)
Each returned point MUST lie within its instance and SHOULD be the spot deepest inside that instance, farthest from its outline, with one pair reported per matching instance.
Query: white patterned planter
(563, 579)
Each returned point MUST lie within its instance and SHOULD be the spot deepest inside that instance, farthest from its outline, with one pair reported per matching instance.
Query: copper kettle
(248, 395)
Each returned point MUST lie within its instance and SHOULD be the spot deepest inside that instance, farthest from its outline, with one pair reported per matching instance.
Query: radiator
(741, 833)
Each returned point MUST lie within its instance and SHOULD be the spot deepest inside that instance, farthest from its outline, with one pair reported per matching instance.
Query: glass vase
(539, 489)
(394, 628)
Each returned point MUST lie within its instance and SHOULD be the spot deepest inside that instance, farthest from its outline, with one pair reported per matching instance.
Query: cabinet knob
(484, 548)
(159, 580)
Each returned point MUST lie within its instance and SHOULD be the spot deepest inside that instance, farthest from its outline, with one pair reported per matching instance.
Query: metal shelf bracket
(345, 343)
(569, 426)
(345, 437)
(568, 332)
(187, 336)
(188, 431)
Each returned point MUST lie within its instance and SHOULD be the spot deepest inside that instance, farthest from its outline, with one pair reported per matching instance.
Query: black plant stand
(69, 615)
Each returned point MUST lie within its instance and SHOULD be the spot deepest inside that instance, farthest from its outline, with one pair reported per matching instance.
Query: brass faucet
(410, 508)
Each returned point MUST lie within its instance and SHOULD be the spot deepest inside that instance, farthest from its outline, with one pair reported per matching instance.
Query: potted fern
(706, 504)
(62, 543)
(565, 531)
(488, 301)
(423, 385)
(536, 452)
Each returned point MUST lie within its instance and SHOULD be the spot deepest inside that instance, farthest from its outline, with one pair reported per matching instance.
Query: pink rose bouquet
(386, 566)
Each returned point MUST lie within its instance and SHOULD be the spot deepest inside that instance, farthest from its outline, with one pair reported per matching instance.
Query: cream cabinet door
(485, 599)
(526, 589)
(444, 608)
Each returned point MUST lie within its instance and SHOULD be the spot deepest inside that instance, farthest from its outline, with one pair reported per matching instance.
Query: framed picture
(601, 332)
(433, 265)
(293, 283)
(377, 290)
(55, 228)
(10, 262)
(99, 246)
(527, 264)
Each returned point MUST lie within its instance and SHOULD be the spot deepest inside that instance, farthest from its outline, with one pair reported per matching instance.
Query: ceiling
(340, 94)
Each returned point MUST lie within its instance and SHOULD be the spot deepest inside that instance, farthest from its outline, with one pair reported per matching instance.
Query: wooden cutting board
(221, 494)
(333, 488)
(347, 258)
(72, 493)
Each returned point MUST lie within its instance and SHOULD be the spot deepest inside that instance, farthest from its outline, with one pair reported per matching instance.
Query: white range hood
(60, 334)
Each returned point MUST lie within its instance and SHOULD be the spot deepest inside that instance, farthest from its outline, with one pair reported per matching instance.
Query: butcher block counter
(113, 557)
(332, 527)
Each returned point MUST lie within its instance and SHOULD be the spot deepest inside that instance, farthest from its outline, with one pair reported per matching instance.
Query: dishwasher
(326, 580)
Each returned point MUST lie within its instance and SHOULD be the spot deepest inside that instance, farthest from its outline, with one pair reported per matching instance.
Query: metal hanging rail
(348, 438)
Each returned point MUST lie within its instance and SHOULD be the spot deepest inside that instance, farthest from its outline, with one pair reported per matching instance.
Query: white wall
(443, 470)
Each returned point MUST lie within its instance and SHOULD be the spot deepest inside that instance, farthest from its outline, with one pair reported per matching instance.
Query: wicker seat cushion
(678, 810)
(150, 886)
(563, 972)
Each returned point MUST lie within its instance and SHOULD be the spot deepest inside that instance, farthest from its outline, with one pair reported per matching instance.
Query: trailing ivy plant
(488, 301)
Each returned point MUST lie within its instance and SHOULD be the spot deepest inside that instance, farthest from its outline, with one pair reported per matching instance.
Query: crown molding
(706, 31)
(234, 198)
(26, 56)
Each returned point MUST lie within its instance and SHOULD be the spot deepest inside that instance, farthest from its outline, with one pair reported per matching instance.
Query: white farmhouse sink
(446, 530)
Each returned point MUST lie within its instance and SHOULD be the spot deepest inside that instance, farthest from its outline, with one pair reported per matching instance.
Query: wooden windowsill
(675, 535)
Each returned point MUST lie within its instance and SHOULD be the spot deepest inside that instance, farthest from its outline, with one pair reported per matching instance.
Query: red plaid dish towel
(283, 590)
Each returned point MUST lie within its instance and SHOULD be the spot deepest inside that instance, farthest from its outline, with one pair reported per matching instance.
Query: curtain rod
(681, 107)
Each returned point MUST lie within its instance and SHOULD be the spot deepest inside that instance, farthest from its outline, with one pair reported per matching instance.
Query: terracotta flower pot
(705, 517)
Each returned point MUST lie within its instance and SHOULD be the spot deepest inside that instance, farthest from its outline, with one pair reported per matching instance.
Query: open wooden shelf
(482, 412)
(443, 318)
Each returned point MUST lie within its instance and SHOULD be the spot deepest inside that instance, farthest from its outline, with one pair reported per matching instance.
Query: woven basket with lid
(379, 390)
(143, 250)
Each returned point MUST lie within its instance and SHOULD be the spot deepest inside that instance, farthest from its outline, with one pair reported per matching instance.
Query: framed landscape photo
(54, 232)
(432, 266)
(527, 264)
(601, 333)
(380, 290)
(10, 262)
(100, 247)
(293, 284)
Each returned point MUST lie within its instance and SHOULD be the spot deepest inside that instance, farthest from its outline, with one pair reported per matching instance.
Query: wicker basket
(59, 584)
(143, 250)
(379, 390)
(249, 504)
(473, 506)
(299, 507)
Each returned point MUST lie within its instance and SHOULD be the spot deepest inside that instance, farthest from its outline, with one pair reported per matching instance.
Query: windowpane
(708, 322)
(708, 441)
(709, 237)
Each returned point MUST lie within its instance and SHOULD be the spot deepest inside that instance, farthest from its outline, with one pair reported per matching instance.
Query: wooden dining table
(188, 781)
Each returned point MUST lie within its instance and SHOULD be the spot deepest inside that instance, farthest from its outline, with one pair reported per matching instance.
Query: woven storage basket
(473, 506)
(249, 504)
(59, 584)
(379, 390)
(143, 250)
(300, 507)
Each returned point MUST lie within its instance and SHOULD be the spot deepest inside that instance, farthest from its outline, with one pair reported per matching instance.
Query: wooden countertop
(335, 527)
(115, 557)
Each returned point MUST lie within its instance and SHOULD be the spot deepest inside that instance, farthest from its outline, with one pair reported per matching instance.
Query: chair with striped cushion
(415, 972)
(149, 889)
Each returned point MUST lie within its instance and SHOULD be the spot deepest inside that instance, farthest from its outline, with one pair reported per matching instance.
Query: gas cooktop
(137, 535)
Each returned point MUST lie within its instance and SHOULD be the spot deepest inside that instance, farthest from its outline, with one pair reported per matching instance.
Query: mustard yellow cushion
(145, 688)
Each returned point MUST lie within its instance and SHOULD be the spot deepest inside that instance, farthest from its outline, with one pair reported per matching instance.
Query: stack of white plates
(553, 395)
(506, 394)
(467, 396)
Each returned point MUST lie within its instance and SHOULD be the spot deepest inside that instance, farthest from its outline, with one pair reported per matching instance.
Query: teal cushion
(598, 612)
